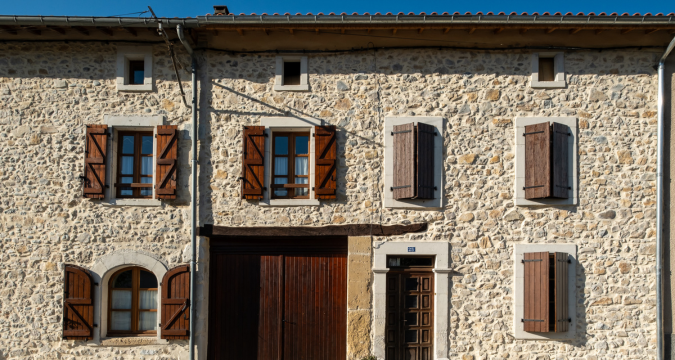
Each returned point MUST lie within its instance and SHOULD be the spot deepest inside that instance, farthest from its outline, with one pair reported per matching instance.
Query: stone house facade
(454, 264)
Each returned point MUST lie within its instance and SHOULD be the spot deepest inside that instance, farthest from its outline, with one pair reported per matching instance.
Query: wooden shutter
(176, 303)
(253, 164)
(78, 304)
(425, 161)
(536, 296)
(167, 162)
(404, 161)
(95, 160)
(560, 166)
(325, 162)
(537, 161)
(561, 292)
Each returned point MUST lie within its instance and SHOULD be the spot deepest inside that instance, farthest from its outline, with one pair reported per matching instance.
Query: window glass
(133, 302)
(301, 145)
(291, 165)
(146, 165)
(135, 164)
(148, 280)
(127, 144)
(123, 280)
(120, 320)
(281, 145)
(136, 72)
(147, 320)
(148, 299)
(121, 299)
(127, 165)
(281, 166)
(147, 145)
(291, 73)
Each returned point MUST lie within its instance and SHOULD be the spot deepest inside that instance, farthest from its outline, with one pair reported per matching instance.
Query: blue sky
(175, 8)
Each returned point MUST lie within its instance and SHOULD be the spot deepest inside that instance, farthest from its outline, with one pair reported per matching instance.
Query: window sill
(304, 87)
(144, 87)
(547, 84)
(130, 341)
(291, 202)
(546, 202)
(133, 202)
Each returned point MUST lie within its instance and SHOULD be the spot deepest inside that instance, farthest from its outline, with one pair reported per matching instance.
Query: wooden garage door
(278, 299)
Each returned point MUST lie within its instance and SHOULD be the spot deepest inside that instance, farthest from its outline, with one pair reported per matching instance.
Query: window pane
(121, 299)
(127, 167)
(301, 166)
(146, 145)
(301, 192)
(127, 144)
(148, 280)
(301, 145)
(281, 145)
(123, 280)
(146, 191)
(280, 192)
(126, 191)
(147, 320)
(126, 180)
(138, 76)
(146, 165)
(148, 299)
(120, 320)
(280, 166)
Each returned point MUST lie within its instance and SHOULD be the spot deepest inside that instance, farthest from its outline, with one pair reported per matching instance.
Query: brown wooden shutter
(176, 303)
(253, 163)
(561, 292)
(167, 162)
(78, 304)
(404, 161)
(560, 166)
(537, 161)
(95, 161)
(536, 296)
(325, 162)
(425, 161)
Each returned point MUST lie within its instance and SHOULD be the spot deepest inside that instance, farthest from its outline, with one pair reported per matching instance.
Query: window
(135, 164)
(132, 302)
(545, 161)
(548, 70)
(291, 74)
(134, 68)
(291, 165)
(413, 162)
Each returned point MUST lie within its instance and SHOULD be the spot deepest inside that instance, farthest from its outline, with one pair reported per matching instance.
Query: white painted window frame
(126, 53)
(288, 124)
(279, 78)
(573, 169)
(101, 272)
(389, 201)
(129, 123)
(519, 296)
(558, 65)
(441, 251)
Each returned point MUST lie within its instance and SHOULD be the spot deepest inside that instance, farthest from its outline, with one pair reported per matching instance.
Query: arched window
(132, 302)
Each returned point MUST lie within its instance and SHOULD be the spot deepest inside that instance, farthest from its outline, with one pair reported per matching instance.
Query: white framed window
(291, 74)
(519, 296)
(434, 201)
(548, 70)
(134, 68)
(572, 166)
(288, 126)
(119, 127)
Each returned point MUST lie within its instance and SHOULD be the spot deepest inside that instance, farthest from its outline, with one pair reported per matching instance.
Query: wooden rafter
(626, 31)
(81, 30)
(267, 32)
(671, 32)
(290, 31)
(34, 31)
(241, 32)
(651, 31)
(369, 30)
(598, 31)
(342, 31)
(574, 31)
(445, 31)
(105, 30)
(472, 30)
(337, 230)
(57, 29)
(498, 30)
(134, 33)
(548, 31)
(9, 29)
(420, 30)
(394, 31)
(317, 31)
(523, 31)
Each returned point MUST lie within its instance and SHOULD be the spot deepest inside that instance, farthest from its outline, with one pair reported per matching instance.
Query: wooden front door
(274, 302)
(410, 317)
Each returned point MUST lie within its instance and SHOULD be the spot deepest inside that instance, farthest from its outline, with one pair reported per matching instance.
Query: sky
(175, 8)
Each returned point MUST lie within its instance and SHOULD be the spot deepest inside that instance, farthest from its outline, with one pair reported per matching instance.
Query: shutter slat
(425, 161)
(78, 305)
(176, 303)
(96, 148)
(561, 294)
(404, 161)
(560, 148)
(166, 168)
(538, 161)
(325, 162)
(536, 296)
(253, 166)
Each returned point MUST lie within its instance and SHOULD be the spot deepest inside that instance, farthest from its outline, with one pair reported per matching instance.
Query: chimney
(220, 10)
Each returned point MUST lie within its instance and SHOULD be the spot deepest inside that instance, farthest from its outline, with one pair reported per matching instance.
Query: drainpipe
(659, 202)
(193, 189)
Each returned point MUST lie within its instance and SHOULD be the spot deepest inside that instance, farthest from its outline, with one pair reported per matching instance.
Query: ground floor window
(132, 302)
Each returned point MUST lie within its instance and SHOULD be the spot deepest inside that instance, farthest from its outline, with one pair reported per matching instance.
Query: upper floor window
(291, 166)
(134, 68)
(132, 306)
(291, 74)
(136, 72)
(548, 70)
(135, 162)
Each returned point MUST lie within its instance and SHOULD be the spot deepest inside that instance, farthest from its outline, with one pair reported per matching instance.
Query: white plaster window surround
(104, 268)
(131, 53)
(573, 169)
(519, 276)
(558, 66)
(441, 251)
(129, 123)
(279, 78)
(389, 201)
(288, 124)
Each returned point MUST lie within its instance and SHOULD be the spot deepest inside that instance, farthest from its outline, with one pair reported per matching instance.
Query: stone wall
(613, 95)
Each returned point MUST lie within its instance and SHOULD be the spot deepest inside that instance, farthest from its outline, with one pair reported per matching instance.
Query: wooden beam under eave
(9, 30)
(34, 31)
(394, 31)
(625, 31)
(241, 32)
(130, 31)
(289, 30)
(267, 31)
(81, 30)
(498, 30)
(548, 31)
(651, 31)
(671, 32)
(106, 31)
(472, 30)
(343, 30)
(209, 230)
(317, 31)
(446, 30)
(523, 31)
(597, 32)
(369, 30)
(574, 31)
(420, 30)
(57, 29)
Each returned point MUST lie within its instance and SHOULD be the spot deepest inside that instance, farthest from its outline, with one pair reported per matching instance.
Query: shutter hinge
(95, 325)
(533, 260)
(240, 178)
(399, 187)
(533, 320)
(400, 132)
(161, 284)
(82, 177)
(264, 188)
(530, 187)
(534, 132)
(312, 188)
(160, 324)
(95, 284)
(568, 320)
